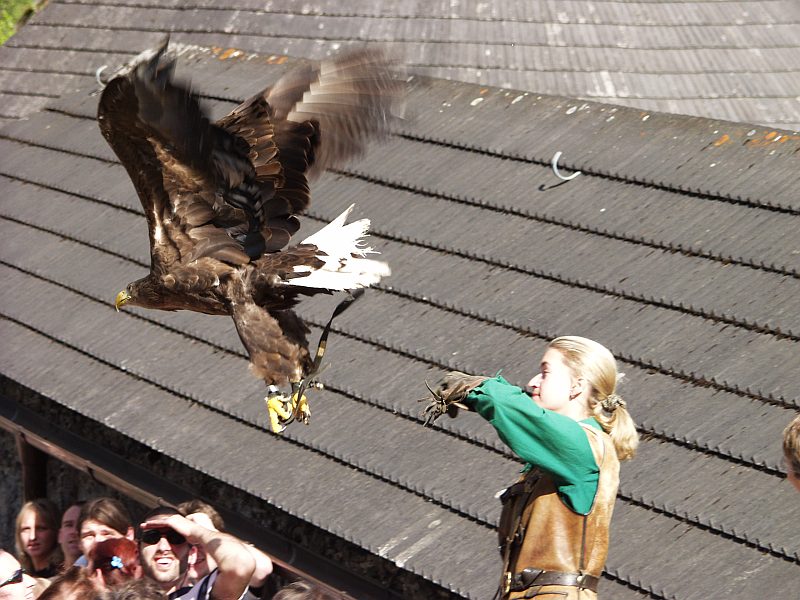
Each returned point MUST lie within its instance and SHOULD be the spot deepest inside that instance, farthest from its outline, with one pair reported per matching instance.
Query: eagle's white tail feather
(346, 267)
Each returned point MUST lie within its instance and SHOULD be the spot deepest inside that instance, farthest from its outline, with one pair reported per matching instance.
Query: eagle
(222, 200)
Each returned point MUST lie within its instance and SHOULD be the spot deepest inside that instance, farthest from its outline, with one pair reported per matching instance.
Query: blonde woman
(572, 431)
(37, 538)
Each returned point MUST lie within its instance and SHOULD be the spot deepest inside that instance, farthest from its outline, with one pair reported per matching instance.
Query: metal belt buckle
(507, 585)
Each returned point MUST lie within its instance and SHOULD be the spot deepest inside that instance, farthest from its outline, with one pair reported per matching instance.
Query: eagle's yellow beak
(121, 299)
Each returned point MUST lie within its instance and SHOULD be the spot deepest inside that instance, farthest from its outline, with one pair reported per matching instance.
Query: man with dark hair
(69, 535)
(165, 542)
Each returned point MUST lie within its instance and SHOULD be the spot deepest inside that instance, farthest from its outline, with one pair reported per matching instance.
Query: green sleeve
(556, 444)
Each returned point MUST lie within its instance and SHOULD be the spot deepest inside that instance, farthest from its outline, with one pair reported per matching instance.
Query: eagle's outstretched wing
(181, 164)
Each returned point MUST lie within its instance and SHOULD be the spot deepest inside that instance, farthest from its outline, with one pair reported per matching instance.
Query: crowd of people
(94, 551)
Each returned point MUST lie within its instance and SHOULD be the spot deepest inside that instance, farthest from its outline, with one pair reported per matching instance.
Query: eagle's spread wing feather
(274, 215)
(353, 99)
(187, 171)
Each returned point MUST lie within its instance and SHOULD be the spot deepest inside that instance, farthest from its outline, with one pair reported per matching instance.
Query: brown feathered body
(221, 199)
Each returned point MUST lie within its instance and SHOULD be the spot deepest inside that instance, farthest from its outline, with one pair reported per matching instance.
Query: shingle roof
(721, 59)
(676, 247)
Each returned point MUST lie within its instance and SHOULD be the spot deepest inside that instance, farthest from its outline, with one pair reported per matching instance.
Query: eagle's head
(141, 292)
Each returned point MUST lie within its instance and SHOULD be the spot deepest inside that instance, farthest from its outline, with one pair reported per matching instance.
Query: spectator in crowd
(15, 584)
(72, 584)
(300, 590)
(206, 515)
(37, 538)
(791, 452)
(102, 519)
(135, 589)
(68, 537)
(114, 561)
(164, 544)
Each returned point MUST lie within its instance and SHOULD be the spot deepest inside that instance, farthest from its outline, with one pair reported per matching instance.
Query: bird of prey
(221, 199)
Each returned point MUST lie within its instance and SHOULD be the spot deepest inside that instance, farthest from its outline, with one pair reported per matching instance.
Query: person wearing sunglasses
(165, 541)
(15, 584)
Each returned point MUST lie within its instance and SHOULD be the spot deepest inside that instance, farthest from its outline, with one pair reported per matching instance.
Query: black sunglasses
(153, 536)
(15, 578)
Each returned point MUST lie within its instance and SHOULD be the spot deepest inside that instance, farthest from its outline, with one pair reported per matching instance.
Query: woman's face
(552, 386)
(38, 539)
(94, 531)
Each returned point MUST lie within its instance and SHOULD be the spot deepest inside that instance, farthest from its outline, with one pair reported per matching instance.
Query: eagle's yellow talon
(302, 411)
(278, 411)
(282, 409)
(274, 424)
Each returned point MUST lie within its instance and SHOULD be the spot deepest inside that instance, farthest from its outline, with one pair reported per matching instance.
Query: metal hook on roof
(554, 164)
(97, 75)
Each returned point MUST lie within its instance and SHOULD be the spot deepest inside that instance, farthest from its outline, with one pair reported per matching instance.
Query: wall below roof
(10, 488)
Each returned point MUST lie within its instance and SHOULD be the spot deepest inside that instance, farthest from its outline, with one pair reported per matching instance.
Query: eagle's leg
(283, 409)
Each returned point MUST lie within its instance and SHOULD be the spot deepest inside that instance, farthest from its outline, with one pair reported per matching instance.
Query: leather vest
(538, 530)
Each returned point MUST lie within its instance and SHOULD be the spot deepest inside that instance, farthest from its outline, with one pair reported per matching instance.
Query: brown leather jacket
(553, 537)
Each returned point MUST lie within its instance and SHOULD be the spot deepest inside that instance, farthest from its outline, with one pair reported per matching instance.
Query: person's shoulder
(599, 440)
(200, 591)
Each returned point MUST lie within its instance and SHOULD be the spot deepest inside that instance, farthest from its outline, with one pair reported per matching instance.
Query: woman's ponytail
(612, 414)
(594, 362)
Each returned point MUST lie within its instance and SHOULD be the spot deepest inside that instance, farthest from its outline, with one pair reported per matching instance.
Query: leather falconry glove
(448, 396)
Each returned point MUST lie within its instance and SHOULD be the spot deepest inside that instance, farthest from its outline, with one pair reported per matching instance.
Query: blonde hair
(791, 445)
(47, 512)
(594, 362)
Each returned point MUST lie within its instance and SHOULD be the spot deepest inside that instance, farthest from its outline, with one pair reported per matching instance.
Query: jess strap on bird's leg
(283, 410)
(449, 395)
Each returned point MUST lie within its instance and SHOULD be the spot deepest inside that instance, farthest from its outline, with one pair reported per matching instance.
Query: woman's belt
(526, 578)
